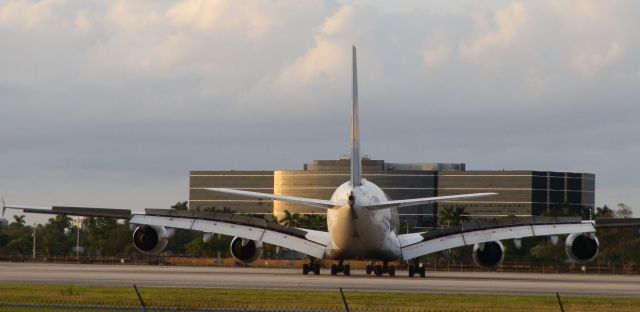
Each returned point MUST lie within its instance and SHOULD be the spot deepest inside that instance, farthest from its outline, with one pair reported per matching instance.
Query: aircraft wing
(422, 201)
(418, 244)
(73, 211)
(320, 203)
(306, 241)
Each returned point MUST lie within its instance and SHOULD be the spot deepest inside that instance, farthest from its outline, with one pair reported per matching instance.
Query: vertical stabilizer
(356, 163)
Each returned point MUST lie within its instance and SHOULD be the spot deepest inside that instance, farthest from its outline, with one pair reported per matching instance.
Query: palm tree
(19, 220)
(180, 206)
(452, 216)
(313, 221)
(290, 219)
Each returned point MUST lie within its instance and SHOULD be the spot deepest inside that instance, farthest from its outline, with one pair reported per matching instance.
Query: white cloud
(339, 21)
(159, 88)
(28, 14)
(589, 64)
(325, 59)
(437, 56)
(82, 22)
(509, 21)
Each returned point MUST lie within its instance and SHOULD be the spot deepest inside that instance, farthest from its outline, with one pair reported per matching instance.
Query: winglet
(356, 162)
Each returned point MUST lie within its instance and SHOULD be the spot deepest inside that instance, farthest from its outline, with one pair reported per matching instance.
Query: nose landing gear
(378, 270)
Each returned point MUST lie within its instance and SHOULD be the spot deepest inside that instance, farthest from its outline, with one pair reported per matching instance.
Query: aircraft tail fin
(356, 162)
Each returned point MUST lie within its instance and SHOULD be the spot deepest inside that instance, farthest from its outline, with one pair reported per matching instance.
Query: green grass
(299, 299)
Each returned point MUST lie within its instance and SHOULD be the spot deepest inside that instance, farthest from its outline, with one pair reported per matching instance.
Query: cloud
(437, 56)
(339, 21)
(588, 64)
(145, 91)
(28, 14)
(509, 21)
(325, 59)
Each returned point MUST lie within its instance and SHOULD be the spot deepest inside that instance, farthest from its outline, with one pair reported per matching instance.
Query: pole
(144, 307)
(78, 244)
(78, 225)
(34, 242)
(344, 300)
(559, 302)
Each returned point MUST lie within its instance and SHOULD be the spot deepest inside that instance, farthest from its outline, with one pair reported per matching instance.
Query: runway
(219, 277)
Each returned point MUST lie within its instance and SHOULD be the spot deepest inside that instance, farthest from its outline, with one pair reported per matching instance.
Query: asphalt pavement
(254, 278)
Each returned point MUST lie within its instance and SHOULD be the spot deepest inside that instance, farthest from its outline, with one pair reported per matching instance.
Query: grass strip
(305, 299)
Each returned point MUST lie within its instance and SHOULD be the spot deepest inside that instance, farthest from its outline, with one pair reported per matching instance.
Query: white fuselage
(360, 233)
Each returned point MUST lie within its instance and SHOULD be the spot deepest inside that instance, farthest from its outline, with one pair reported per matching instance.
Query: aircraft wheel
(423, 271)
(368, 269)
(347, 270)
(305, 268)
(316, 268)
(334, 269)
(378, 270)
(411, 271)
(392, 271)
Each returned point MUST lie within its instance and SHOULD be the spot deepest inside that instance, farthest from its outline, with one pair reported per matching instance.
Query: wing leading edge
(309, 242)
(419, 244)
(422, 201)
(319, 203)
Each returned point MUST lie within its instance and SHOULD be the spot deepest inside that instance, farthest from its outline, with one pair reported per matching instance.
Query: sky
(111, 103)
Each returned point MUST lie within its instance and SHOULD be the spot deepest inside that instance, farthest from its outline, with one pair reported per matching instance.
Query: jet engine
(488, 255)
(245, 251)
(151, 239)
(582, 247)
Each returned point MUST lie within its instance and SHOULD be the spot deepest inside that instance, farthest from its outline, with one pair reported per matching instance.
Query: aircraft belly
(388, 249)
(363, 254)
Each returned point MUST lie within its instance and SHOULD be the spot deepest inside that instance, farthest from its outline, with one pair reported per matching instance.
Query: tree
(97, 234)
(180, 206)
(452, 216)
(119, 240)
(562, 210)
(314, 221)
(623, 211)
(54, 236)
(545, 251)
(19, 220)
(604, 212)
(16, 239)
(290, 219)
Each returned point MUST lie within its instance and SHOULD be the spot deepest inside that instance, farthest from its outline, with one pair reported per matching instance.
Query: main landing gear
(416, 267)
(378, 270)
(312, 266)
(340, 268)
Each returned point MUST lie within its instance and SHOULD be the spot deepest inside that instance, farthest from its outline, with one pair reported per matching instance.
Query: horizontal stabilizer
(422, 201)
(75, 211)
(326, 204)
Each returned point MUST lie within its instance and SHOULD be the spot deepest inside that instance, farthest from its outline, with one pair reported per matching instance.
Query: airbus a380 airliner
(362, 223)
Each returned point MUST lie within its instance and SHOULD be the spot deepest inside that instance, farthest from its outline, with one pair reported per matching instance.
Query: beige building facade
(520, 192)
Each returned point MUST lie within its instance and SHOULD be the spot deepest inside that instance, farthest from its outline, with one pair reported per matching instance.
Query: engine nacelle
(582, 247)
(151, 239)
(245, 251)
(488, 255)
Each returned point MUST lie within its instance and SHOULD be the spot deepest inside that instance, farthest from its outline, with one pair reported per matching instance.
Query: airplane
(362, 223)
